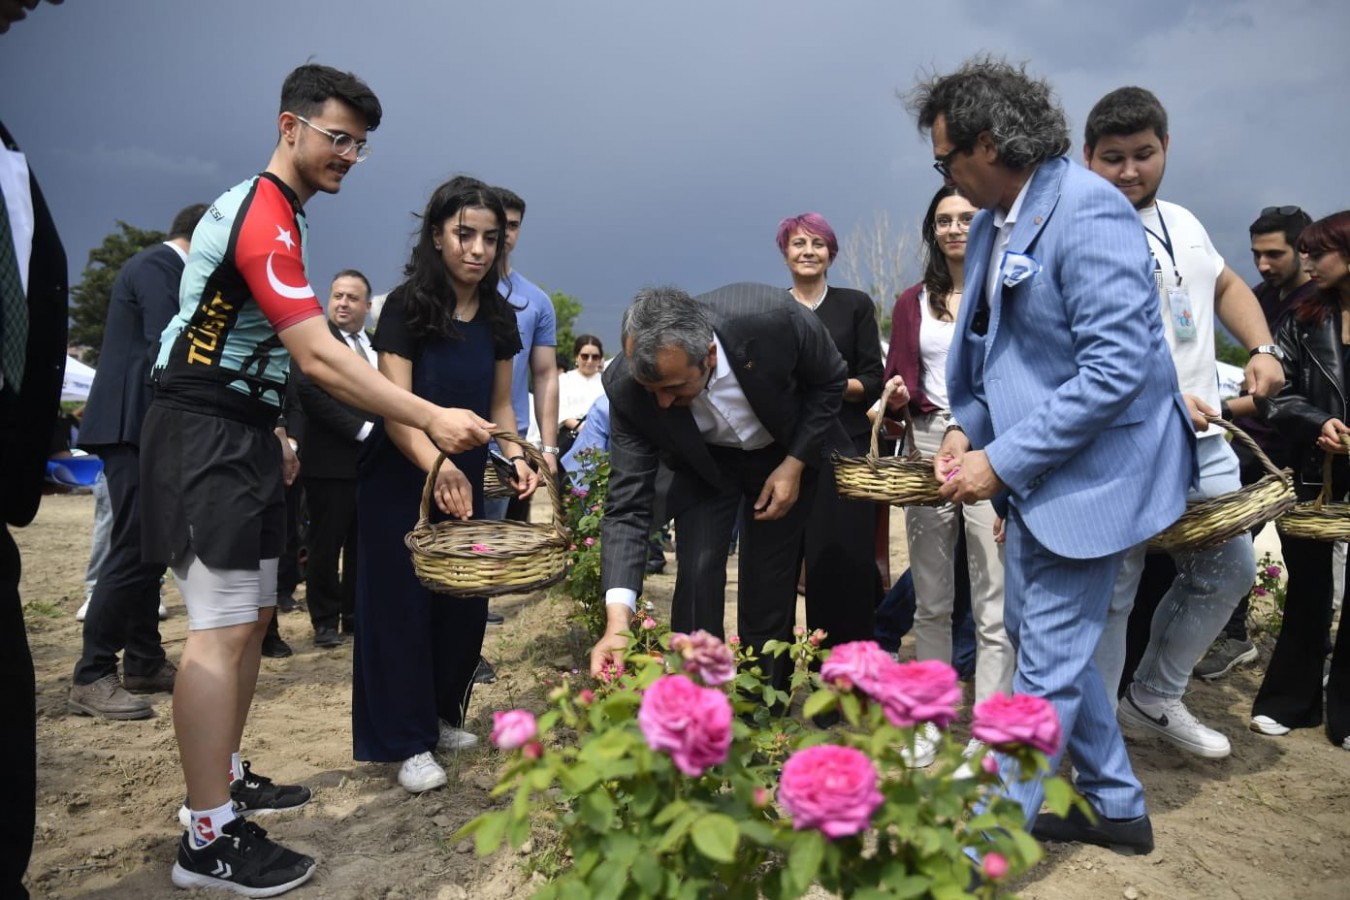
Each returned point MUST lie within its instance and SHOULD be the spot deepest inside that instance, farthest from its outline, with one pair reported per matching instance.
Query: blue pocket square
(1017, 268)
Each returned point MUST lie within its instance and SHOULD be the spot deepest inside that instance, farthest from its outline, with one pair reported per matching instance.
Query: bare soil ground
(1272, 821)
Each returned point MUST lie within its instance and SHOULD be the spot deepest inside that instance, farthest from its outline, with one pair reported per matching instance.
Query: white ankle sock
(236, 767)
(207, 823)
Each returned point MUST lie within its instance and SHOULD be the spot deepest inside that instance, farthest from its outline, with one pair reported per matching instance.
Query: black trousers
(18, 710)
(843, 586)
(289, 575)
(769, 555)
(124, 611)
(1291, 693)
(331, 593)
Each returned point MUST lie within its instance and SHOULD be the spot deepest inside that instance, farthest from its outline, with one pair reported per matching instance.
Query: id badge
(1183, 317)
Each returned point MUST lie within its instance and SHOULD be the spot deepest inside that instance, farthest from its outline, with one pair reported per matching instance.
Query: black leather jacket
(1314, 392)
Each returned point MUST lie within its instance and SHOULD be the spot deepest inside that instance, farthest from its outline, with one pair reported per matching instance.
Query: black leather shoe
(287, 604)
(495, 618)
(273, 647)
(327, 636)
(1132, 837)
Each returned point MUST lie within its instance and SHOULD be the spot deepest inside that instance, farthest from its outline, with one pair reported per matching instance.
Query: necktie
(356, 345)
(13, 308)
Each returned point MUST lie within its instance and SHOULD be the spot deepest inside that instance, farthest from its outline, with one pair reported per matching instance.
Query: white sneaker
(83, 610)
(1267, 725)
(453, 738)
(1172, 721)
(926, 738)
(163, 612)
(421, 773)
(966, 770)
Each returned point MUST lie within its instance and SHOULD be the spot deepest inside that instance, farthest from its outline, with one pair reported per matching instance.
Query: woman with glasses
(843, 585)
(1314, 338)
(579, 388)
(447, 335)
(922, 326)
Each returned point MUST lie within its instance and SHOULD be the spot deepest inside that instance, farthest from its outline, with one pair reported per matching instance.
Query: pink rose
(532, 750)
(833, 789)
(481, 548)
(990, 764)
(1260, 591)
(648, 623)
(691, 723)
(589, 542)
(1017, 721)
(587, 696)
(1272, 571)
(915, 692)
(859, 664)
(513, 729)
(995, 866)
(705, 657)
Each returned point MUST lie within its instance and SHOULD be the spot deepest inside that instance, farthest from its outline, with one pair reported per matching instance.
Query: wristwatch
(545, 448)
(1268, 348)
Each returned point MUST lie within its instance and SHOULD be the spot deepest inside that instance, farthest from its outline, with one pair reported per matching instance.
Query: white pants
(932, 534)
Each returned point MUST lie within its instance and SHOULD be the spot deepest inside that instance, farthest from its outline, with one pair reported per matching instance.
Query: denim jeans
(98, 545)
(1209, 585)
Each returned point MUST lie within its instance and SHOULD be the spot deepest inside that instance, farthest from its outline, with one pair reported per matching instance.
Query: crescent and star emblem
(290, 292)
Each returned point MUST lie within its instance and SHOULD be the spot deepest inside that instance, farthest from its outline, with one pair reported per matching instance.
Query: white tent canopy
(78, 380)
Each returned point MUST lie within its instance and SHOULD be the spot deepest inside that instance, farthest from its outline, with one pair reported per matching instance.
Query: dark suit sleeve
(155, 285)
(322, 411)
(820, 374)
(627, 521)
(868, 347)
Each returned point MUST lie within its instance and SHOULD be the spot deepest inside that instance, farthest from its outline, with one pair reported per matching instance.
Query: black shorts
(211, 485)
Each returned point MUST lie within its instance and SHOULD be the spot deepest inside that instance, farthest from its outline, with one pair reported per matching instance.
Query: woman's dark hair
(937, 278)
(584, 339)
(1329, 235)
(431, 299)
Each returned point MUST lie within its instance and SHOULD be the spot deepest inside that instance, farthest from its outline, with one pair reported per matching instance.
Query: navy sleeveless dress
(416, 650)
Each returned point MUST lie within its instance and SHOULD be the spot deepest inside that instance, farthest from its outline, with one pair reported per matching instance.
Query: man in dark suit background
(738, 393)
(32, 360)
(123, 613)
(328, 450)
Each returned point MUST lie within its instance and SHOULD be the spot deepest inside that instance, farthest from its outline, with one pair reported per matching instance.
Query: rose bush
(1008, 722)
(662, 782)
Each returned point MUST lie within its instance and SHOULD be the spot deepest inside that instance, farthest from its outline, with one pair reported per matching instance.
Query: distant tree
(1226, 350)
(873, 258)
(566, 308)
(89, 299)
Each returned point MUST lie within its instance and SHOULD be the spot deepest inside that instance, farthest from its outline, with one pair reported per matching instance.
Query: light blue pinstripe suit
(1073, 396)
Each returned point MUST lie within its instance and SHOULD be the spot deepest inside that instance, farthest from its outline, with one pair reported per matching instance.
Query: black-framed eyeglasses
(943, 165)
(343, 144)
(1281, 211)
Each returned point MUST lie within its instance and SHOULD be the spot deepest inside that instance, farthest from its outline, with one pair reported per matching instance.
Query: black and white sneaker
(256, 795)
(242, 860)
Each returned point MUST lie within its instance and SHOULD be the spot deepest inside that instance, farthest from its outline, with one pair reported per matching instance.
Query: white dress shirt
(358, 340)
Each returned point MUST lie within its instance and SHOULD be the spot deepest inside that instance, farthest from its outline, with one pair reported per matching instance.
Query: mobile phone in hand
(506, 470)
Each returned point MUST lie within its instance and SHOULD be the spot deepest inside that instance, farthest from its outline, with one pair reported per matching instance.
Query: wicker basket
(511, 557)
(897, 480)
(1321, 519)
(493, 489)
(1208, 523)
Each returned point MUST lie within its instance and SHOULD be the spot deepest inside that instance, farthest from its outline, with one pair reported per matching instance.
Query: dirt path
(1271, 821)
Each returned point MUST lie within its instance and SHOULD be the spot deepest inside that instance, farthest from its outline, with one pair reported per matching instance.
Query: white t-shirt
(576, 393)
(935, 339)
(1198, 265)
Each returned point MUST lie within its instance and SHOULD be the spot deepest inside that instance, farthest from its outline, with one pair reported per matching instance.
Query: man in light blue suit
(1067, 409)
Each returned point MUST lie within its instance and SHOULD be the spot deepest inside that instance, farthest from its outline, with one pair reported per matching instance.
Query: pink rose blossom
(532, 750)
(761, 798)
(586, 696)
(734, 640)
(589, 542)
(691, 723)
(648, 623)
(513, 729)
(1260, 591)
(995, 866)
(989, 764)
(481, 548)
(857, 664)
(816, 637)
(1272, 571)
(1017, 721)
(705, 657)
(915, 692)
(799, 630)
(833, 789)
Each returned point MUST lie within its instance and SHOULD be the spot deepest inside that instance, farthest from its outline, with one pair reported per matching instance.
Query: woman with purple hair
(843, 585)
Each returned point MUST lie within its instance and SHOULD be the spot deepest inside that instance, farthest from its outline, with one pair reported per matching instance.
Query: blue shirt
(594, 434)
(535, 319)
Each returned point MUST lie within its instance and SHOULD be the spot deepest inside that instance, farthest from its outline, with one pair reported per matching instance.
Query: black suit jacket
(328, 446)
(28, 417)
(144, 299)
(791, 374)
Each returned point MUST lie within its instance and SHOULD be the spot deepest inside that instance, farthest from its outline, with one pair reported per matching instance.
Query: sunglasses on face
(588, 356)
(1281, 211)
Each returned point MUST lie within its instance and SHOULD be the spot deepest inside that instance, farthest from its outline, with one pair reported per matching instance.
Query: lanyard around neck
(1166, 240)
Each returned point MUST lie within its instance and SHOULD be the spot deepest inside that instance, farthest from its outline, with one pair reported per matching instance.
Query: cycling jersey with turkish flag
(244, 282)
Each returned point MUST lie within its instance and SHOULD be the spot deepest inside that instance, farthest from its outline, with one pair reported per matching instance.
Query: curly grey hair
(991, 94)
(660, 318)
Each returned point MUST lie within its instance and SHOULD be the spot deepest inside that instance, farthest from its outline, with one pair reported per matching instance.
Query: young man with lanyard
(1126, 143)
(212, 465)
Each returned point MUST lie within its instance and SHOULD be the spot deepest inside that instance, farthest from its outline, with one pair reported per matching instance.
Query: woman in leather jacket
(1312, 409)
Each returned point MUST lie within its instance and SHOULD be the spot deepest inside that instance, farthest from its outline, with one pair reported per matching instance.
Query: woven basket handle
(531, 453)
(1245, 439)
(906, 422)
(1324, 495)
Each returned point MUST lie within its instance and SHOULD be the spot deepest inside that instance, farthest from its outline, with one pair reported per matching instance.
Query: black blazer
(793, 377)
(144, 299)
(328, 444)
(28, 417)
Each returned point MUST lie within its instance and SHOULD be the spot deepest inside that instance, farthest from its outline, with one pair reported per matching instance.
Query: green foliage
(89, 299)
(1225, 350)
(636, 827)
(566, 308)
(583, 507)
(1270, 588)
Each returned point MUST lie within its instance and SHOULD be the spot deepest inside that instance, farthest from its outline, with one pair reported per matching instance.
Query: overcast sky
(654, 142)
